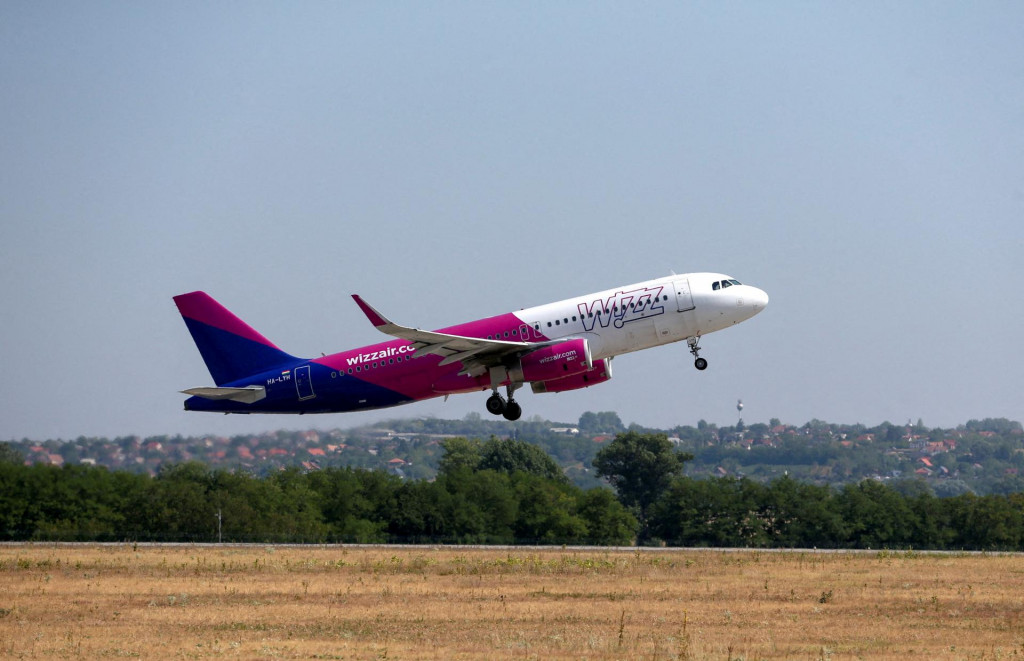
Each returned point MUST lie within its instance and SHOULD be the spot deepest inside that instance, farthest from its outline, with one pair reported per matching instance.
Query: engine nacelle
(555, 361)
(601, 372)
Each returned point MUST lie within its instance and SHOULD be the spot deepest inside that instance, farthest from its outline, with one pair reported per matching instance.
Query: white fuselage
(648, 314)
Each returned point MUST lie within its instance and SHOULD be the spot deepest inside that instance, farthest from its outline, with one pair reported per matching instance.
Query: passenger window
(556, 322)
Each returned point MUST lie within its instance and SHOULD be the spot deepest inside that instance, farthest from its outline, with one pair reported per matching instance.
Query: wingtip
(375, 317)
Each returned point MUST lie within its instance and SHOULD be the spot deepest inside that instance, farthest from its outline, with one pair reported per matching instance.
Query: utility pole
(219, 518)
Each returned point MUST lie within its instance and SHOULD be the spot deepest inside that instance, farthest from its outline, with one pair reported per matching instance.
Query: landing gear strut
(699, 363)
(496, 404)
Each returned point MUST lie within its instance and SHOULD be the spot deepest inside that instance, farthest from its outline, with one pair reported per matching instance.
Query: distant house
(396, 462)
(564, 430)
(317, 452)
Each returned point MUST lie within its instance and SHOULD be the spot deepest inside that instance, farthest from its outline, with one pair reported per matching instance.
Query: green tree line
(498, 492)
(494, 492)
(646, 471)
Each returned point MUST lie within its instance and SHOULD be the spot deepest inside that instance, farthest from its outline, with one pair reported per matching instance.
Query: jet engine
(554, 361)
(601, 372)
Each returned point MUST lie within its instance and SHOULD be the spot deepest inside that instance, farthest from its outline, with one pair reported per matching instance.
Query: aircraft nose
(758, 299)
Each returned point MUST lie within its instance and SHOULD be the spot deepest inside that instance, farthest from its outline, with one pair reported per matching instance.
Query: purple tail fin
(232, 349)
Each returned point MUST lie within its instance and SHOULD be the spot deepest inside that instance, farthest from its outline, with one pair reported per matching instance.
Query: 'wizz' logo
(622, 308)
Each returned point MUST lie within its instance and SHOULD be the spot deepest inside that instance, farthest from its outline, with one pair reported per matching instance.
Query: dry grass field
(202, 602)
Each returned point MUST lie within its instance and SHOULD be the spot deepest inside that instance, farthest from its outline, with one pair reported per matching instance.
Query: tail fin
(231, 348)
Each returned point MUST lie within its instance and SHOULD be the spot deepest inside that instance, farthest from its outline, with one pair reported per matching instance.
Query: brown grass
(451, 603)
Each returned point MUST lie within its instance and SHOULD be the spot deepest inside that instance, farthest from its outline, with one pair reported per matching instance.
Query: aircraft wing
(476, 354)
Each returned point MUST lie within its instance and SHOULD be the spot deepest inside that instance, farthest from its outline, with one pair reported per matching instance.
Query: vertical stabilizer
(232, 349)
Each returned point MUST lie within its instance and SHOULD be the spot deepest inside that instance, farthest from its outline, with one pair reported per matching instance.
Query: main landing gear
(699, 363)
(496, 404)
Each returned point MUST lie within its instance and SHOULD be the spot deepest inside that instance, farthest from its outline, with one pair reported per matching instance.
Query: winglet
(376, 318)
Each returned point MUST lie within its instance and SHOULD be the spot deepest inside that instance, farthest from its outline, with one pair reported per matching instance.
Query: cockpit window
(722, 284)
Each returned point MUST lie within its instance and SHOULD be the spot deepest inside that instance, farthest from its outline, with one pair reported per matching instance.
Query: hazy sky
(861, 162)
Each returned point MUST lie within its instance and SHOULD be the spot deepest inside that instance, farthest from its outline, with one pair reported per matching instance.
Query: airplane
(555, 347)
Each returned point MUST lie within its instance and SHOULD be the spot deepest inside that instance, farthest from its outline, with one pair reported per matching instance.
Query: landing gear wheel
(496, 404)
(699, 363)
(512, 411)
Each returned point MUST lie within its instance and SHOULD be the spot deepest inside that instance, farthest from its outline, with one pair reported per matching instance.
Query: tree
(459, 453)
(640, 467)
(8, 454)
(876, 516)
(508, 456)
(605, 421)
(608, 522)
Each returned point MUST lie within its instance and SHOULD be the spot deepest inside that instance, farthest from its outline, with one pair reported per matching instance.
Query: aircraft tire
(496, 405)
(700, 364)
(513, 411)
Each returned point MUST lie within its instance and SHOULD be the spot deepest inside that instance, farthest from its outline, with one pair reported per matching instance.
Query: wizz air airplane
(556, 347)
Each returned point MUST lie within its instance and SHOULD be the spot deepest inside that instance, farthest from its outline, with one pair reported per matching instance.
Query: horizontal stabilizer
(247, 395)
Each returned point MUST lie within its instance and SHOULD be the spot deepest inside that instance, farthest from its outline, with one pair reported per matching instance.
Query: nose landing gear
(700, 363)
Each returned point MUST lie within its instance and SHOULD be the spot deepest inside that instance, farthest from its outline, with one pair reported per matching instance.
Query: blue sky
(864, 164)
